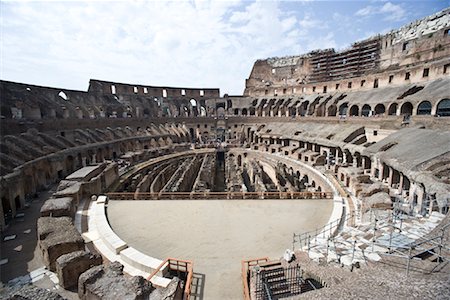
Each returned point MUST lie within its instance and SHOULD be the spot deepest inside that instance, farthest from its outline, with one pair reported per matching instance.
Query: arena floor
(216, 234)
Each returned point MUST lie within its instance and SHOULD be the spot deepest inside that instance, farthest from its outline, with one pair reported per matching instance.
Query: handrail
(300, 237)
(186, 264)
(245, 264)
(218, 195)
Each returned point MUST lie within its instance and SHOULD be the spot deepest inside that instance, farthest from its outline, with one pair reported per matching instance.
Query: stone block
(70, 266)
(59, 207)
(57, 236)
(109, 282)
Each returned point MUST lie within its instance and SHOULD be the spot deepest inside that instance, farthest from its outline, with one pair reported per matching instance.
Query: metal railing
(329, 230)
(218, 195)
(245, 269)
(183, 269)
(426, 246)
(286, 281)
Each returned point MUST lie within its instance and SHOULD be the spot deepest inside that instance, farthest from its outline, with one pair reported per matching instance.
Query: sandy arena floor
(216, 234)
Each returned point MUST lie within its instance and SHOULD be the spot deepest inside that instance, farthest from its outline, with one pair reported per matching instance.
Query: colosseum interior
(329, 177)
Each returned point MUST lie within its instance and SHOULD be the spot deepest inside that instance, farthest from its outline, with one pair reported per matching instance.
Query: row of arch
(425, 107)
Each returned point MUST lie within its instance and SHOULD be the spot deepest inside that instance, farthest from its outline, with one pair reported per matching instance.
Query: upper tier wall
(422, 44)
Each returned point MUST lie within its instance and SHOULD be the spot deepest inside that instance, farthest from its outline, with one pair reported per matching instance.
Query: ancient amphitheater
(328, 178)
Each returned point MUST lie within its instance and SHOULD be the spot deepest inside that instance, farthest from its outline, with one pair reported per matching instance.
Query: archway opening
(443, 108)
(380, 109)
(424, 108)
(366, 110)
(392, 109)
(406, 108)
(354, 110)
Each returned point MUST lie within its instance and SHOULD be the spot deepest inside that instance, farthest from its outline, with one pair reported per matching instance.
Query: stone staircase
(368, 240)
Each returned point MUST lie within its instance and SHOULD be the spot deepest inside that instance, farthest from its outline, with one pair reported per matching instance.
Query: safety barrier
(245, 266)
(218, 195)
(183, 269)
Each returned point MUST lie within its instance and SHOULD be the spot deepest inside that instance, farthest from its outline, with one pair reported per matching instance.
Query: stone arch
(365, 110)
(343, 109)
(7, 209)
(392, 111)
(202, 111)
(185, 111)
(303, 109)
(406, 108)
(332, 110)
(305, 178)
(380, 109)
(252, 111)
(244, 111)
(443, 108)
(354, 110)
(424, 108)
(17, 202)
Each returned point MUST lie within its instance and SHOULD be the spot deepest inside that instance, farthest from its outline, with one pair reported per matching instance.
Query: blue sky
(180, 43)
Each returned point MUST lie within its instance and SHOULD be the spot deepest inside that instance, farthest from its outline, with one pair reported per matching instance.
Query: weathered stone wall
(58, 207)
(382, 61)
(109, 282)
(56, 237)
(70, 266)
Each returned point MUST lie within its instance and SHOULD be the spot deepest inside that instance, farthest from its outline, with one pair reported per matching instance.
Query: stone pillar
(373, 167)
(400, 184)
(83, 161)
(381, 171)
(434, 109)
(391, 174)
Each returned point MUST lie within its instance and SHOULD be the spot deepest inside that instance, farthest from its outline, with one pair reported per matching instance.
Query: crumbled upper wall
(421, 44)
(421, 27)
(278, 62)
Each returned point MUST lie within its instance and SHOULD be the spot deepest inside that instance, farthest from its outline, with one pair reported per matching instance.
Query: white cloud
(393, 12)
(365, 11)
(192, 44)
(389, 11)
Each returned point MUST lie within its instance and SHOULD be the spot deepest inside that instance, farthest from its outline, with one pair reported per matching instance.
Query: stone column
(400, 183)
(391, 174)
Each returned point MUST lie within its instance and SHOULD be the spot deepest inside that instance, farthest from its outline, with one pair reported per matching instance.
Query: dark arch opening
(443, 108)
(365, 110)
(392, 109)
(343, 109)
(354, 110)
(17, 202)
(424, 108)
(332, 110)
(380, 109)
(406, 108)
